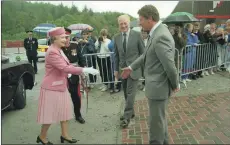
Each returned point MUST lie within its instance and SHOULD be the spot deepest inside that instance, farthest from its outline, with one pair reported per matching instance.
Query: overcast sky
(129, 7)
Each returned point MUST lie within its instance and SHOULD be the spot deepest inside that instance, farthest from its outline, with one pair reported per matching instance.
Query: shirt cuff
(130, 68)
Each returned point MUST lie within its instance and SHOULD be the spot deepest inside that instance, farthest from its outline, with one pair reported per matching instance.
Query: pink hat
(57, 32)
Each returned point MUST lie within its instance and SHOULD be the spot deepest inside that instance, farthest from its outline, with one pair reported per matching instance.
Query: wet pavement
(198, 114)
(194, 119)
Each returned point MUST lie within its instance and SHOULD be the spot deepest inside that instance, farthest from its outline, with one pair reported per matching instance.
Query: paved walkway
(191, 119)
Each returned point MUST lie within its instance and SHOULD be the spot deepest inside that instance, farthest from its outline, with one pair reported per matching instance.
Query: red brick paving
(191, 120)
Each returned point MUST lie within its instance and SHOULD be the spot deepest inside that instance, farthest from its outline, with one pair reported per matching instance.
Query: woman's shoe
(69, 141)
(40, 141)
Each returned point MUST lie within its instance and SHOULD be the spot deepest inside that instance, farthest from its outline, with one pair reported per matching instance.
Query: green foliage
(20, 16)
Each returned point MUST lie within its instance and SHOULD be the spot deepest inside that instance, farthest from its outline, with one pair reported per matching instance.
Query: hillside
(19, 16)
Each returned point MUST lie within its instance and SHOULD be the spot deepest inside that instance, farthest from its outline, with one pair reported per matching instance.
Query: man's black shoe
(80, 120)
(122, 117)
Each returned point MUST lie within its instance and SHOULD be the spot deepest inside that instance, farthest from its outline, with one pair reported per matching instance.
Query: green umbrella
(180, 17)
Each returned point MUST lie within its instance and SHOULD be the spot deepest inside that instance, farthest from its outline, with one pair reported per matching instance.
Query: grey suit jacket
(135, 48)
(159, 67)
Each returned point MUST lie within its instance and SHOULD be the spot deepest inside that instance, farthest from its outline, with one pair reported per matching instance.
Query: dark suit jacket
(78, 58)
(31, 47)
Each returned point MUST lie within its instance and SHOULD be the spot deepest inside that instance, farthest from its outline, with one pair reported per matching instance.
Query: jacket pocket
(157, 90)
(57, 83)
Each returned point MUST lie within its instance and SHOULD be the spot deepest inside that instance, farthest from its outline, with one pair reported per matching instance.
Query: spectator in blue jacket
(189, 53)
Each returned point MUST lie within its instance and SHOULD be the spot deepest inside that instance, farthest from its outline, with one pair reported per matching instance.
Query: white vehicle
(42, 47)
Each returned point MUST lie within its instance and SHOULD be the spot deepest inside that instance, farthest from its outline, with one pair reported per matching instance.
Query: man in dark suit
(31, 46)
(76, 58)
(128, 46)
(161, 77)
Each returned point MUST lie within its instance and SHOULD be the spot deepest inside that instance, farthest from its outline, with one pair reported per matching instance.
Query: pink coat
(57, 68)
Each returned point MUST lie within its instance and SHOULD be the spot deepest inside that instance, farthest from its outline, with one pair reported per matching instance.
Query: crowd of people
(197, 60)
(202, 52)
(150, 54)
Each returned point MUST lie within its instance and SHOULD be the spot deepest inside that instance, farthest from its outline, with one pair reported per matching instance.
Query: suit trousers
(129, 87)
(158, 125)
(76, 98)
(33, 59)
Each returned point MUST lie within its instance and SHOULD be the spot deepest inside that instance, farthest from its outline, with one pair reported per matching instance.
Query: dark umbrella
(180, 17)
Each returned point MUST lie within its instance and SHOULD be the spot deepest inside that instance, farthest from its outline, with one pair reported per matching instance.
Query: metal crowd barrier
(202, 57)
(189, 60)
(104, 63)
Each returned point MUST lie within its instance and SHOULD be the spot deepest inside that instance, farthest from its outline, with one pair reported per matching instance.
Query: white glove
(69, 75)
(90, 70)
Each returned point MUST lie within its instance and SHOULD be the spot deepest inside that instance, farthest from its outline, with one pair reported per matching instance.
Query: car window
(42, 42)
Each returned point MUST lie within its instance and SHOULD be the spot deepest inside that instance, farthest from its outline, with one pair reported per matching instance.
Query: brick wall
(12, 44)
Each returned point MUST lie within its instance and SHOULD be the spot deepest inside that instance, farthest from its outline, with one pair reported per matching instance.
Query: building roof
(205, 9)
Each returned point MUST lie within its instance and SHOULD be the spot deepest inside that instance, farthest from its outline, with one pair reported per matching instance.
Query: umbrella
(76, 31)
(180, 17)
(74, 27)
(43, 28)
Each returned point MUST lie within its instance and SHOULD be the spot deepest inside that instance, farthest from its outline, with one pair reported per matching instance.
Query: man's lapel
(129, 40)
(120, 42)
(151, 39)
(149, 43)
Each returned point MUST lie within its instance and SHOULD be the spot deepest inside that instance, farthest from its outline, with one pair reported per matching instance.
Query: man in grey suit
(161, 76)
(128, 46)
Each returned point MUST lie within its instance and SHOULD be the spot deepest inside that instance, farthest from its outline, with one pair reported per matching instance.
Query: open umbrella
(43, 28)
(75, 31)
(181, 17)
(79, 27)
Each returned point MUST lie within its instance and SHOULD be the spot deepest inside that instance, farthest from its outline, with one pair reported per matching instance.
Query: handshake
(125, 74)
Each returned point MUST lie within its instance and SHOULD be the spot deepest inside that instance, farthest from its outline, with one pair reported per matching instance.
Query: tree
(19, 16)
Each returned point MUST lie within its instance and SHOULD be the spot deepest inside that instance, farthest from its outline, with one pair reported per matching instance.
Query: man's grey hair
(122, 17)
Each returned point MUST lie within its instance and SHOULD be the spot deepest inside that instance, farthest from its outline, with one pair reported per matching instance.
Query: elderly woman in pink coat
(54, 101)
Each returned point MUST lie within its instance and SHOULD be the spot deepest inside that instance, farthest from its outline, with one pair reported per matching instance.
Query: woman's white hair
(123, 17)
